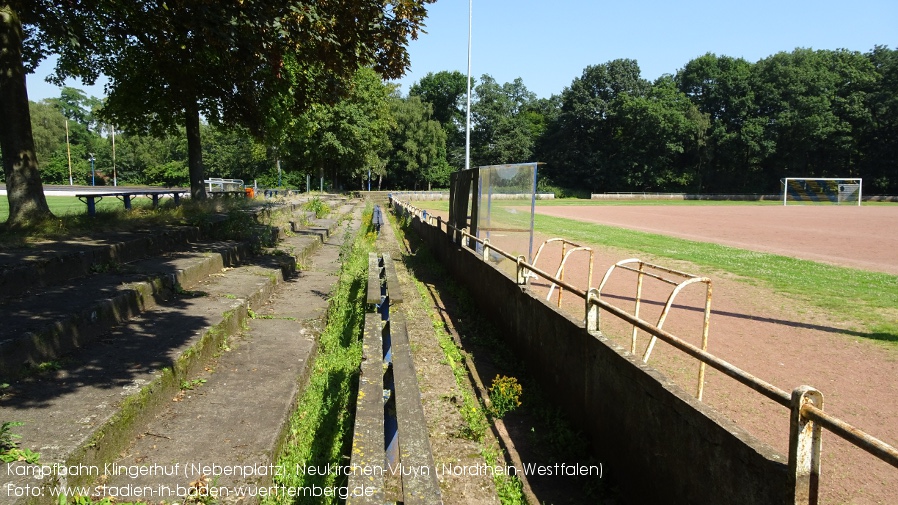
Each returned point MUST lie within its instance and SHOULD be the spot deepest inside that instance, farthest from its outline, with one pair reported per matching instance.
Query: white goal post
(825, 190)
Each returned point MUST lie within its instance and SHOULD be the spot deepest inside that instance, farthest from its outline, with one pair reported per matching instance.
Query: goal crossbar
(833, 190)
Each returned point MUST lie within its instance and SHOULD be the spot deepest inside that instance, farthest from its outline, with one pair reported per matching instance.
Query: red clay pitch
(861, 237)
(779, 339)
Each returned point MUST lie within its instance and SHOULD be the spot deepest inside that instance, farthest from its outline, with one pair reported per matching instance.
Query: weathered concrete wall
(654, 439)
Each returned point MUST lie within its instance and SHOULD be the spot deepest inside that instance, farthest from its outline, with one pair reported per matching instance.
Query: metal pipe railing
(852, 434)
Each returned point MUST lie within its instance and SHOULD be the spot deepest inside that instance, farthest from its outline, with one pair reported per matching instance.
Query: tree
(813, 101)
(419, 146)
(581, 138)
(879, 142)
(447, 92)
(232, 153)
(25, 193)
(48, 127)
(722, 88)
(233, 61)
(501, 130)
(654, 137)
(344, 140)
(153, 160)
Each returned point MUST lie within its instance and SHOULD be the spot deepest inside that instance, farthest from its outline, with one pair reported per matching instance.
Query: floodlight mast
(468, 120)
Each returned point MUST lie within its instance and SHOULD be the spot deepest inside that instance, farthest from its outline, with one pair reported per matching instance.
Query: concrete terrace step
(47, 324)
(106, 392)
(51, 263)
(104, 286)
(231, 428)
(56, 262)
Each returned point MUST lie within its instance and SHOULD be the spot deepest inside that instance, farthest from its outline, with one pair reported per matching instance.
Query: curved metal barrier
(649, 270)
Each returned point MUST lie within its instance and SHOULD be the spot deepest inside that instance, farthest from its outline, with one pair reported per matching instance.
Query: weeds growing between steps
(321, 428)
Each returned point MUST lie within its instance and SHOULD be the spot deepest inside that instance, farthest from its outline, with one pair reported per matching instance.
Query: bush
(505, 395)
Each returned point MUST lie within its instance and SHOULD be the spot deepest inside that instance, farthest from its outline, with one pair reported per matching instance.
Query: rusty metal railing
(650, 270)
(805, 403)
(565, 255)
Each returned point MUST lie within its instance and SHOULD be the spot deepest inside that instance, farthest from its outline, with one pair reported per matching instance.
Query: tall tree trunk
(25, 192)
(195, 152)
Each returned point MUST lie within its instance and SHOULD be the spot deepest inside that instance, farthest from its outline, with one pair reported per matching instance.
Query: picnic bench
(125, 196)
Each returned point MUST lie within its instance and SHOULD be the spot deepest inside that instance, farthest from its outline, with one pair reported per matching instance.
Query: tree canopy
(718, 125)
(235, 62)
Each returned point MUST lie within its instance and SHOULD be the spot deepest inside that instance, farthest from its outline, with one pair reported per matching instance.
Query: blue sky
(549, 43)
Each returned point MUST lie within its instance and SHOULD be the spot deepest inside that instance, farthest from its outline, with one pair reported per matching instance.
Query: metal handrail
(851, 434)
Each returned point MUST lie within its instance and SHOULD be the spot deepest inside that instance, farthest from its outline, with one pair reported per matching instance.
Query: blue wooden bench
(390, 427)
(125, 196)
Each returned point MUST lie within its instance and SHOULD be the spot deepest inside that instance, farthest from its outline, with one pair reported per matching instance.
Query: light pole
(468, 118)
(93, 179)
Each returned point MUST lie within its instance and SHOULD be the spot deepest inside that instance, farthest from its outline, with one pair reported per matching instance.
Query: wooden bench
(390, 427)
(125, 196)
(271, 192)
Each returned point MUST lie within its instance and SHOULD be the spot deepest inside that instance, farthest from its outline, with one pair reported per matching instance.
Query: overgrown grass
(846, 294)
(321, 426)
(318, 206)
(474, 413)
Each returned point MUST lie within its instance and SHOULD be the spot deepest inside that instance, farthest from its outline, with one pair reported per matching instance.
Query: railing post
(805, 442)
(593, 317)
(486, 249)
(521, 277)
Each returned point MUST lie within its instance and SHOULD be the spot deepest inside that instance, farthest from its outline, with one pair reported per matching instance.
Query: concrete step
(232, 428)
(104, 394)
(49, 263)
(45, 325)
(72, 311)
(52, 263)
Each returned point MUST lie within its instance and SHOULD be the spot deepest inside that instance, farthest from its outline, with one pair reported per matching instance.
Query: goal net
(811, 190)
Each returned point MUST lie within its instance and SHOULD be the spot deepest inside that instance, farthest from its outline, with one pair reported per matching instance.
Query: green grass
(321, 426)
(69, 205)
(578, 202)
(72, 221)
(868, 298)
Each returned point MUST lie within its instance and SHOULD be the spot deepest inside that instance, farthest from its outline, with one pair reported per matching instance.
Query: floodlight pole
(68, 150)
(468, 120)
(114, 175)
(93, 178)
